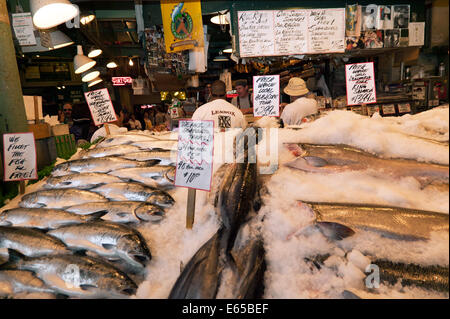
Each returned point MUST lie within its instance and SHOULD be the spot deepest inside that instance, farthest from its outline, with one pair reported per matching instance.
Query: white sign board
(416, 33)
(101, 107)
(19, 157)
(195, 154)
(266, 95)
(23, 28)
(360, 82)
(288, 32)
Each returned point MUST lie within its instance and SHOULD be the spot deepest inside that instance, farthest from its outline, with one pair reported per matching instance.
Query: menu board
(19, 152)
(286, 32)
(101, 107)
(23, 28)
(266, 95)
(360, 83)
(195, 154)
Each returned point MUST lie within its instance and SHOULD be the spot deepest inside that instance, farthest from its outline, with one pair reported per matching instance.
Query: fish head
(31, 200)
(61, 169)
(134, 249)
(149, 213)
(118, 284)
(163, 200)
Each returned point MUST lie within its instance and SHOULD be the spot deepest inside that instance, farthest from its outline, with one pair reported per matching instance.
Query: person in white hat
(300, 106)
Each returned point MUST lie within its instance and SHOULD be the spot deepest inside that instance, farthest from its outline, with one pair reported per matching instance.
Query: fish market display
(59, 198)
(43, 218)
(107, 239)
(80, 181)
(30, 242)
(135, 192)
(121, 212)
(76, 276)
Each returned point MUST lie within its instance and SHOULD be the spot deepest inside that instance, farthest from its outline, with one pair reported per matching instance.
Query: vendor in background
(301, 105)
(82, 120)
(134, 123)
(208, 93)
(66, 115)
(147, 121)
(244, 100)
(224, 114)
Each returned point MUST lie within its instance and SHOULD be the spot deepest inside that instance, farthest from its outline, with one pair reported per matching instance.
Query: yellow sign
(183, 25)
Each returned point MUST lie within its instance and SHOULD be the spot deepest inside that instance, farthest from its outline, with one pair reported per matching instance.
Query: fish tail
(14, 257)
(149, 163)
(334, 231)
(94, 216)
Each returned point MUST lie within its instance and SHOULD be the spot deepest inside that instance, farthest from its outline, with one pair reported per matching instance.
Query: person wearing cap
(224, 114)
(244, 100)
(300, 106)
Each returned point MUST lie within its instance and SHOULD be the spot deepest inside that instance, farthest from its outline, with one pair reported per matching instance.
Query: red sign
(121, 80)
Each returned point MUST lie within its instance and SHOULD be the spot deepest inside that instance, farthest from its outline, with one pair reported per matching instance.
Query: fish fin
(150, 163)
(14, 257)
(79, 252)
(66, 183)
(334, 231)
(96, 215)
(108, 246)
(123, 214)
(87, 287)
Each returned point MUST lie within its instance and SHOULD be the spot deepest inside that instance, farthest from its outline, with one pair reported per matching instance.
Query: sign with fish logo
(183, 25)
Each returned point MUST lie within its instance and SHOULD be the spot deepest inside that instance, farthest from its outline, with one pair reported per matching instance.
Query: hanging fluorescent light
(131, 63)
(94, 82)
(111, 65)
(94, 53)
(87, 19)
(220, 58)
(221, 18)
(82, 63)
(60, 40)
(89, 75)
(50, 13)
(228, 49)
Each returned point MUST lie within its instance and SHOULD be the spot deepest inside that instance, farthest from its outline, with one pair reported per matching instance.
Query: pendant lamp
(50, 13)
(94, 82)
(82, 63)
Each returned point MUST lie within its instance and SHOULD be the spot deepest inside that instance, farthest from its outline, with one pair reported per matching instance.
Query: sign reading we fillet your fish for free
(19, 152)
(101, 107)
(266, 95)
(360, 82)
(195, 154)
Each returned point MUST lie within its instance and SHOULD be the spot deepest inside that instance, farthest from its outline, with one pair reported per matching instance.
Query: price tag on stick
(194, 160)
(101, 107)
(360, 82)
(266, 95)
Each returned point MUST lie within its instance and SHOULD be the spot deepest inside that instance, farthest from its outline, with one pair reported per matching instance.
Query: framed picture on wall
(401, 16)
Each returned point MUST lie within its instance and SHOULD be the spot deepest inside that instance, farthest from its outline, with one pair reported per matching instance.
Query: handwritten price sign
(266, 95)
(20, 157)
(360, 81)
(101, 107)
(195, 154)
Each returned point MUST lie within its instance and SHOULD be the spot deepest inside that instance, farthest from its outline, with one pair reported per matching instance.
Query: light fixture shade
(131, 63)
(94, 82)
(94, 53)
(87, 19)
(89, 75)
(50, 13)
(221, 19)
(60, 40)
(111, 65)
(82, 63)
(221, 58)
(228, 49)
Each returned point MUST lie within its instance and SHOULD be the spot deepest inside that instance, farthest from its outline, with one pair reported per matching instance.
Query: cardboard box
(60, 129)
(40, 130)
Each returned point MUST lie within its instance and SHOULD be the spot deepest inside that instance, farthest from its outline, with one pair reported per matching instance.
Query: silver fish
(97, 165)
(339, 158)
(402, 223)
(107, 239)
(43, 218)
(135, 192)
(121, 212)
(21, 281)
(109, 151)
(164, 157)
(80, 181)
(59, 198)
(76, 276)
(121, 139)
(156, 176)
(30, 242)
(156, 145)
